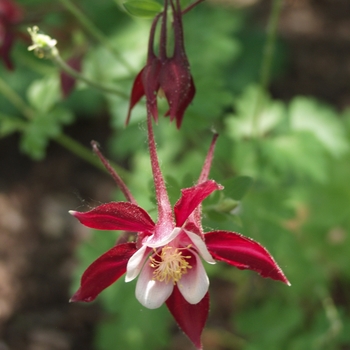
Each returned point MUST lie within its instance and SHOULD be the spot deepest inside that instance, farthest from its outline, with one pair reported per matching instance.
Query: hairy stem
(164, 207)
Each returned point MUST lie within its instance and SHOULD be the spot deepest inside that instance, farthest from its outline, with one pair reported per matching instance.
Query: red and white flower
(167, 255)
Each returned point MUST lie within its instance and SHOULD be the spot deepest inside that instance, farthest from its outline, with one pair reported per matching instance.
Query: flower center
(171, 264)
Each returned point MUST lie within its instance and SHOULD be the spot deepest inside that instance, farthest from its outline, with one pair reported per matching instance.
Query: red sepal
(103, 272)
(191, 318)
(244, 253)
(136, 94)
(117, 216)
(191, 198)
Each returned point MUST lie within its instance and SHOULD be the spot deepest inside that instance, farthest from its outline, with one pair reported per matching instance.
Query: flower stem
(266, 64)
(94, 31)
(164, 207)
(65, 67)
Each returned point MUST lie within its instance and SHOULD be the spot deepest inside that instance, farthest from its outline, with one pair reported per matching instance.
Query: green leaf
(299, 154)
(173, 188)
(269, 325)
(237, 187)
(44, 93)
(210, 51)
(145, 9)
(247, 122)
(320, 120)
(43, 127)
(132, 333)
(10, 124)
(216, 216)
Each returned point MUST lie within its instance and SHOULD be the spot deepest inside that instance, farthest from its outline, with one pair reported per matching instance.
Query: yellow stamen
(171, 266)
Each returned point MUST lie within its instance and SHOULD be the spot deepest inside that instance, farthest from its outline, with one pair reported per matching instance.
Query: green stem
(270, 43)
(65, 67)
(94, 31)
(266, 64)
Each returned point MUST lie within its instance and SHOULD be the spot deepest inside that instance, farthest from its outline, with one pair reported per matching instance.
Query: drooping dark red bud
(150, 80)
(146, 82)
(175, 78)
(170, 76)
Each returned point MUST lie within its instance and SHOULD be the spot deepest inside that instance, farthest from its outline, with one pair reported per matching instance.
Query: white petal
(135, 263)
(195, 283)
(150, 293)
(164, 241)
(201, 247)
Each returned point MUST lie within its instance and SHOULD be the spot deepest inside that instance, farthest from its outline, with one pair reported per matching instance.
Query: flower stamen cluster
(171, 266)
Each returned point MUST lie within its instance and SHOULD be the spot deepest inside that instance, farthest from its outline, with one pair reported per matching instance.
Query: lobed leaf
(142, 8)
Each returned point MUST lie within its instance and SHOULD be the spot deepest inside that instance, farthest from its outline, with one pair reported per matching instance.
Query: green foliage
(129, 324)
(285, 137)
(237, 187)
(48, 117)
(146, 9)
(43, 127)
(210, 51)
(299, 156)
(9, 124)
(44, 93)
(321, 121)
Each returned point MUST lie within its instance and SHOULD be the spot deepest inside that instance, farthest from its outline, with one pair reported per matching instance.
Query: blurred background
(272, 77)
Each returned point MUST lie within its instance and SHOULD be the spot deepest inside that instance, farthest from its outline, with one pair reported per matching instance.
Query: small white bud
(43, 45)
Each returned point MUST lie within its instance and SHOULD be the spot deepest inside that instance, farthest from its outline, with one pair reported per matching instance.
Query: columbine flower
(10, 16)
(163, 75)
(167, 255)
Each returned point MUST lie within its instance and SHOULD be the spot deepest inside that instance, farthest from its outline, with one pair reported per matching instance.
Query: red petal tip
(77, 298)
